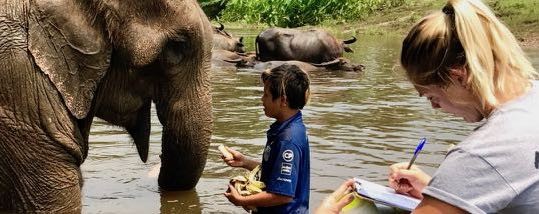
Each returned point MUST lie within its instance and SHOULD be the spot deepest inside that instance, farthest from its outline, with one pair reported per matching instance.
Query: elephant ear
(71, 50)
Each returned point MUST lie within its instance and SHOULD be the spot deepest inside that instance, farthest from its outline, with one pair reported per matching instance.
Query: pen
(422, 142)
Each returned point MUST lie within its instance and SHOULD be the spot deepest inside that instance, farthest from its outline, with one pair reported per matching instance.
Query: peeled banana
(224, 150)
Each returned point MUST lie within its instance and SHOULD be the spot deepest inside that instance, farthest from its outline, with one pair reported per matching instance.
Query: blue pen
(419, 147)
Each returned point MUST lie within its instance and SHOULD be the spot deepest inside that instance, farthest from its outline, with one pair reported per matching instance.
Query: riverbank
(521, 16)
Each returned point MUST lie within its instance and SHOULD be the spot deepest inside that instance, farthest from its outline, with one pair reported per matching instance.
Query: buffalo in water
(228, 59)
(314, 46)
(340, 64)
(222, 40)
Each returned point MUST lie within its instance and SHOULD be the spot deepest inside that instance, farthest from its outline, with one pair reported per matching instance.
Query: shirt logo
(286, 168)
(267, 153)
(537, 160)
(288, 155)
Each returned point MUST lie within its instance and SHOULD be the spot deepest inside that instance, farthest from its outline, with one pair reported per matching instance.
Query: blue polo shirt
(286, 165)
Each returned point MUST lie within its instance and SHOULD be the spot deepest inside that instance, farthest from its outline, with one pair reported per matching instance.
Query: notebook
(384, 195)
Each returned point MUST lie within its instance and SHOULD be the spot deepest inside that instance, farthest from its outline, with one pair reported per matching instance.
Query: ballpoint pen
(419, 147)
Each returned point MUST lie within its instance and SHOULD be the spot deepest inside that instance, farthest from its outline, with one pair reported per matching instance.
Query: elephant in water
(63, 62)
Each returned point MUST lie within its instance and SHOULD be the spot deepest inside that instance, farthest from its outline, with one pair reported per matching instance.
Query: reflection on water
(358, 124)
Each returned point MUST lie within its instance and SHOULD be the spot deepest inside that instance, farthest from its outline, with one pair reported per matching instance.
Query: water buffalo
(222, 40)
(339, 64)
(225, 58)
(316, 46)
(305, 66)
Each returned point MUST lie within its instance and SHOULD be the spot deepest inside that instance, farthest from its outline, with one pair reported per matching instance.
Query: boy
(285, 162)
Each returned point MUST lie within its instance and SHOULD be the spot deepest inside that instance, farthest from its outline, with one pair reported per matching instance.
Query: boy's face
(272, 108)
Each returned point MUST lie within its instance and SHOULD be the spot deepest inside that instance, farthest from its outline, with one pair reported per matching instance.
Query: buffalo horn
(350, 41)
(328, 63)
(233, 60)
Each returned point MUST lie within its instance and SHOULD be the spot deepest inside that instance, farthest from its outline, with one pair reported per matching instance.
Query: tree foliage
(295, 13)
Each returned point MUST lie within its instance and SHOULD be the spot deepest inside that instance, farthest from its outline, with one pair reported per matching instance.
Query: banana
(258, 184)
(253, 189)
(239, 178)
(250, 183)
(224, 150)
(254, 175)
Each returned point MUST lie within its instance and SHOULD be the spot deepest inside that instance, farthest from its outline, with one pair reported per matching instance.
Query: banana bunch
(248, 184)
(245, 184)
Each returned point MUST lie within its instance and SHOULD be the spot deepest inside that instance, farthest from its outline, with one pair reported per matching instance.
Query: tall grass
(295, 13)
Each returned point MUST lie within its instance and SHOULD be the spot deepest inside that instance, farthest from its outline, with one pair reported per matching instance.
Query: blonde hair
(467, 33)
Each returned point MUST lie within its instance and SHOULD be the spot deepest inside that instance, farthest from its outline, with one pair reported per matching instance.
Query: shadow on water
(358, 124)
(182, 202)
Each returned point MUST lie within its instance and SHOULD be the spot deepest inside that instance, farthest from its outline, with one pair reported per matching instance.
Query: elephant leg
(41, 146)
(38, 182)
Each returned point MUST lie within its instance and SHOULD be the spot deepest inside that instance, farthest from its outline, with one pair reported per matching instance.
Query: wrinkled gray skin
(340, 64)
(222, 40)
(62, 62)
(315, 45)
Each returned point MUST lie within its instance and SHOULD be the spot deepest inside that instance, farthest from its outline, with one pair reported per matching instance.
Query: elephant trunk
(187, 123)
(183, 104)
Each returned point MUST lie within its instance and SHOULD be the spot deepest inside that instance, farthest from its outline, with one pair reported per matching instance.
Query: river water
(358, 124)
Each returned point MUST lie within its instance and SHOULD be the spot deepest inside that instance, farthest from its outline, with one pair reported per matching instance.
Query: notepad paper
(384, 195)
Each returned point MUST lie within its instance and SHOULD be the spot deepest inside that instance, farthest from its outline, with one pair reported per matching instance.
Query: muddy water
(358, 124)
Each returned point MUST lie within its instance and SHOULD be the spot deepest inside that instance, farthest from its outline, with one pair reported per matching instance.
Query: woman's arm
(430, 205)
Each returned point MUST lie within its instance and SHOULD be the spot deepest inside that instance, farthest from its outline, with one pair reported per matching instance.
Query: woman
(467, 63)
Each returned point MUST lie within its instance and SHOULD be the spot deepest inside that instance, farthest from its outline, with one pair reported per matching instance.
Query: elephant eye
(175, 51)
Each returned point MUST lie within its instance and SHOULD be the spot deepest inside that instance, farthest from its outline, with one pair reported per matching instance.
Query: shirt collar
(277, 127)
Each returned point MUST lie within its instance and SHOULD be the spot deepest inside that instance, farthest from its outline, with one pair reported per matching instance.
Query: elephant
(64, 62)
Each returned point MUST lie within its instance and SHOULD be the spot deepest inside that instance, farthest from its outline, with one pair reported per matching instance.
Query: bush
(295, 13)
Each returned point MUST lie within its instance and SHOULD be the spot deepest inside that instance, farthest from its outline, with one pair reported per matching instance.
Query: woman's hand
(408, 181)
(338, 199)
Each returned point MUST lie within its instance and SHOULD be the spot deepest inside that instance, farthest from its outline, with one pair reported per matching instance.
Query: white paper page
(385, 195)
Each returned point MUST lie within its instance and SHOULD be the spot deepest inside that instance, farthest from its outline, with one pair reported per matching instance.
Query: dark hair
(288, 80)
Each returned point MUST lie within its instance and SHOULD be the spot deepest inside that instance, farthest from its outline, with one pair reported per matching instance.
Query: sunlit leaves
(295, 13)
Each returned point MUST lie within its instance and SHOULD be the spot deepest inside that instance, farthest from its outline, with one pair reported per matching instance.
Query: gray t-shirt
(496, 168)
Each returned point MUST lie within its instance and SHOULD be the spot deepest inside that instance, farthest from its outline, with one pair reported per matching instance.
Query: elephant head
(63, 62)
(165, 61)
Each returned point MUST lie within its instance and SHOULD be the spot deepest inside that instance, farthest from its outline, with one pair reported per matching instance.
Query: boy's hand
(233, 196)
(409, 181)
(237, 160)
(338, 199)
